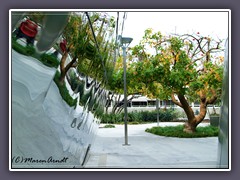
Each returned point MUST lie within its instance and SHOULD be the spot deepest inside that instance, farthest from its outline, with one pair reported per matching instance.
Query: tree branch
(213, 98)
(175, 101)
(70, 64)
(74, 65)
(63, 60)
(188, 110)
(200, 70)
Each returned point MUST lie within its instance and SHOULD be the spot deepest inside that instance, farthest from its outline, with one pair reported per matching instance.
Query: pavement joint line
(102, 160)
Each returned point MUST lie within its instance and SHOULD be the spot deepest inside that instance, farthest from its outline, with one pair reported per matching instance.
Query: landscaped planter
(214, 120)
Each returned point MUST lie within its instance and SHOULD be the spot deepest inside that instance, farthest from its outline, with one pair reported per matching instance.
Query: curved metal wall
(223, 147)
(46, 131)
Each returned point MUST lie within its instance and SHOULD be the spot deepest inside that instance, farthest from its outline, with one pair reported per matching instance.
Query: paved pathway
(150, 151)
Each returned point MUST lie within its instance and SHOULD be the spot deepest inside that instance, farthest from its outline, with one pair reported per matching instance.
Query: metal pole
(157, 106)
(125, 95)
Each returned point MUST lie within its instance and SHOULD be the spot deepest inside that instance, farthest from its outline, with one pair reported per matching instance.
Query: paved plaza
(150, 151)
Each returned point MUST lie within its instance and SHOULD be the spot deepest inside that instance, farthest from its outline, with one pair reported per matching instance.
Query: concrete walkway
(150, 151)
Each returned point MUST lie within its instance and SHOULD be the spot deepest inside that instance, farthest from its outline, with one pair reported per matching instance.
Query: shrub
(84, 97)
(64, 91)
(140, 117)
(109, 126)
(181, 114)
(75, 82)
(49, 60)
(177, 131)
(98, 111)
(168, 115)
(134, 122)
(29, 50)
(134, 117)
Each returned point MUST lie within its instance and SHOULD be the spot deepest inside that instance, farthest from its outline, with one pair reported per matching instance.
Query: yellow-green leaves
(173, 68)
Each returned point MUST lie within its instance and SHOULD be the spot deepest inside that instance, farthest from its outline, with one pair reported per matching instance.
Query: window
(139, 103)
(122, 103)
(151, 103)
(166, 103)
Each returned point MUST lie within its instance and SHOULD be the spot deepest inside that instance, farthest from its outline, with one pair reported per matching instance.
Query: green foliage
(115, 81)
(64, 91)
(109, 126)
(73, 80)
(85, 97)
(90, 51)
(140, 117)
(177, 131)
(112, 118)
(176, 44)
(49, 60)
(134, 122)
(30, 50)
(27, 51)
(94, 59)
(175, 67)
(99, 111)
(182, 65)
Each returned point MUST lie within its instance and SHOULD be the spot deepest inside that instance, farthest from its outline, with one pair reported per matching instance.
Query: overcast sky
(214, 24)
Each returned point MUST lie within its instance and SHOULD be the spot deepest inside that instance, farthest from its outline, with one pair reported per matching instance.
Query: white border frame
(115, 10)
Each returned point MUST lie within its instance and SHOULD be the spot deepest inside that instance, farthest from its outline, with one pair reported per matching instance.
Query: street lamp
(124, 42)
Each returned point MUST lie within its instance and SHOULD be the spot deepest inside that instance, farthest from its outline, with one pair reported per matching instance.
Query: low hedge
(109, 126)
(140, 117)
(177, 131)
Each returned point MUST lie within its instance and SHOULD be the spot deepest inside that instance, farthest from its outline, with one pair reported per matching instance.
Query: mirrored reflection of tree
(89, 59)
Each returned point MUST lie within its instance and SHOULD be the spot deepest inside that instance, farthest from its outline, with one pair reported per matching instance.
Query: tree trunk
(62, 76)
(189, 127)
(193, 121)
(64, 69)
(191, 124)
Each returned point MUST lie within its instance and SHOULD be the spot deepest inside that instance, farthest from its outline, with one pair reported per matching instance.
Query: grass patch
(109, 126)
(64, 91)
(47, 59)
(177, 131)
(27, 51)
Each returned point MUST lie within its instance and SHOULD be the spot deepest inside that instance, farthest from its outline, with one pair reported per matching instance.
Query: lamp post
(125, 41)
(157, 106)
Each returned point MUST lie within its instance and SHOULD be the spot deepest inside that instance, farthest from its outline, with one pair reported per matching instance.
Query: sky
(214, 24)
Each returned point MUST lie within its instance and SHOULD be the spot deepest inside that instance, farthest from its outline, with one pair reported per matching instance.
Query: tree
(76, 35)
(101, 66)
(184, 68)
(115, 85)
(88, 53)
